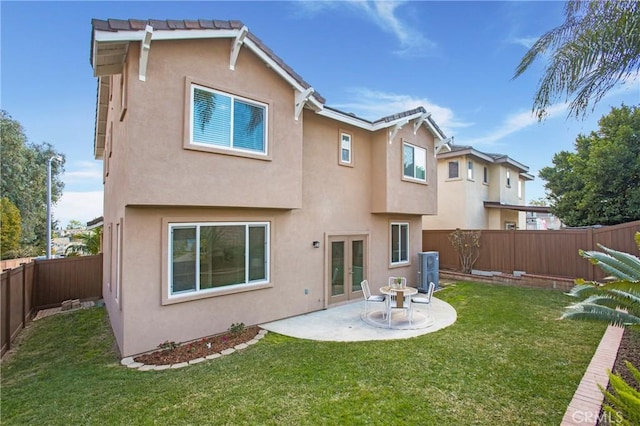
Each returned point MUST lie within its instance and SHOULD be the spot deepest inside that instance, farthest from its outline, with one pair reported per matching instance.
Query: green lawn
(507, 360)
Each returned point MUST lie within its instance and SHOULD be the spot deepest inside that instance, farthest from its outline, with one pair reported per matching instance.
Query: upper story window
(345, 149)
(485, 175)
(520, 188)
(414, 160)
(227, 121)
(454, 170)
(470, 170)
(207, 256)
(508, 178)
(399, 243)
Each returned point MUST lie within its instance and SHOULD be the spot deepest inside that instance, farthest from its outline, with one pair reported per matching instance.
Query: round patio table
(392, 291)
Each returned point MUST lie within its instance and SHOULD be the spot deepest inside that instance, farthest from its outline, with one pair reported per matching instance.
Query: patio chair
(400, 302)
(426, 300)
(368, 297)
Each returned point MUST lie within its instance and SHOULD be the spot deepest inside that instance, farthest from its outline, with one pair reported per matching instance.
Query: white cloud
(373, 104)
(527, 42)
(514, 123)
(83, 171)
(382, 14)
(82, 206)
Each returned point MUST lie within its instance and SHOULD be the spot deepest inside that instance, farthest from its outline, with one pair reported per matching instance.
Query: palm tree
(89, 244)
(596, 47)
(616, 302)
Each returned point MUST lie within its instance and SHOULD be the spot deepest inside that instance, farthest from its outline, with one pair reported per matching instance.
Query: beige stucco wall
(301, 190)
(461, 200)
(166, 173)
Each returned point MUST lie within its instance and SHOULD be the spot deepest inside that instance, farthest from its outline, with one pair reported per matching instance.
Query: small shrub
(467, 245)
(236, 328)
(167, 345)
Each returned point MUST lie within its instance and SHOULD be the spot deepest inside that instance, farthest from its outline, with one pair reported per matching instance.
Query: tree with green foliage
(23, 176)
(600, 182)
(10, 229)
(75, 224)
(596, 48)
(85, 244)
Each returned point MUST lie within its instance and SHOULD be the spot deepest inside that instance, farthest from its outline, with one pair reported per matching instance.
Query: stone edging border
(130, 363)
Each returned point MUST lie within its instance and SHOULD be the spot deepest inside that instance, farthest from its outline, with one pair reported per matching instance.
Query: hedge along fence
(550, 253)
(43, 284)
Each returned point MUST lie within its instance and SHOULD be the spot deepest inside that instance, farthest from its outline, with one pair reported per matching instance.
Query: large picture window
(399, 243)
(207, 256)
(414, 161)
(226, 121)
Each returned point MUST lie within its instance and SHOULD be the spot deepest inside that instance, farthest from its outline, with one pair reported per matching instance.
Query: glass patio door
(347, 267)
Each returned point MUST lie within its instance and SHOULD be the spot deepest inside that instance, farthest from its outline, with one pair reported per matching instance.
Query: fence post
(7, 309)
(590, 247)
(24, 294)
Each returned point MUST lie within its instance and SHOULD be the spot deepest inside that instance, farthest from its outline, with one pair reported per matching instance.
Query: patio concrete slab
(347, 323)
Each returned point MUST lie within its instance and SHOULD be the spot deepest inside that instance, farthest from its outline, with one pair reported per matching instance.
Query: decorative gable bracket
(144, 52)
(237, 44)
(301, 99)
(442, 144)
(393, 132)
(419, 121)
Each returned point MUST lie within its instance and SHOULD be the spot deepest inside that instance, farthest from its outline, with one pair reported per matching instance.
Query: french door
(347, 267)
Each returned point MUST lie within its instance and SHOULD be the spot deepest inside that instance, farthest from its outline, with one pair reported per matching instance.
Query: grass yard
(507, 360)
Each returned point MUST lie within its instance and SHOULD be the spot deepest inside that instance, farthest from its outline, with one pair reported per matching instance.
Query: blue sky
(371, 58)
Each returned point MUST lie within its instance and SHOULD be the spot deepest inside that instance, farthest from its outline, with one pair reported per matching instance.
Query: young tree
(600, 182)
(10, 229)
(85, 244)
(23, 181)
(597, 47)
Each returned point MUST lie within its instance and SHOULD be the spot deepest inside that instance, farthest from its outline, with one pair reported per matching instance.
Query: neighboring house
(542, 221)
(477, 190)
(233, 193)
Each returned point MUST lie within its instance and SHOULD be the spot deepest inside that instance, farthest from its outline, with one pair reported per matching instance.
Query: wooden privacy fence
(551, 253)
(43, 284)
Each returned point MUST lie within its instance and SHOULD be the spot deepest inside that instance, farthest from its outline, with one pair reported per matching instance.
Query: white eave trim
(372, 127)
(105, 36)
(145, 46)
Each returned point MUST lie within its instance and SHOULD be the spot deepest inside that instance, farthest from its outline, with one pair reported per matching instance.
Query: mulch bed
(174, 354)
(629, 350)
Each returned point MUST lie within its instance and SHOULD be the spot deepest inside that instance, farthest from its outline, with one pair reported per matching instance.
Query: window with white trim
(414, 160)
(210, 255)
(345, 148)
(470, 170)
(399, 243)
(485, 178)
(454, 172)
(508, 178)
(227, 121)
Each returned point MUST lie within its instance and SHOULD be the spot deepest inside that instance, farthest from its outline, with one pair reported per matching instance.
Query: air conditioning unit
(428, 270)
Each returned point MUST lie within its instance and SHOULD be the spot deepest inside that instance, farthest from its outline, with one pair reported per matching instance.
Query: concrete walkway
(346, 323)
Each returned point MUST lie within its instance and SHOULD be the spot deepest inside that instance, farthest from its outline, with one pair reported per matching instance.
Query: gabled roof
(110, 41)
(459, 150)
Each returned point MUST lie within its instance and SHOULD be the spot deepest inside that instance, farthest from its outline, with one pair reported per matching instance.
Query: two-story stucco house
(478, 190)
(232, 193)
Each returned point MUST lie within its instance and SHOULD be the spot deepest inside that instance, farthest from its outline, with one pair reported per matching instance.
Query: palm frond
(632, 262)
(583, 311)
(610, 265)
